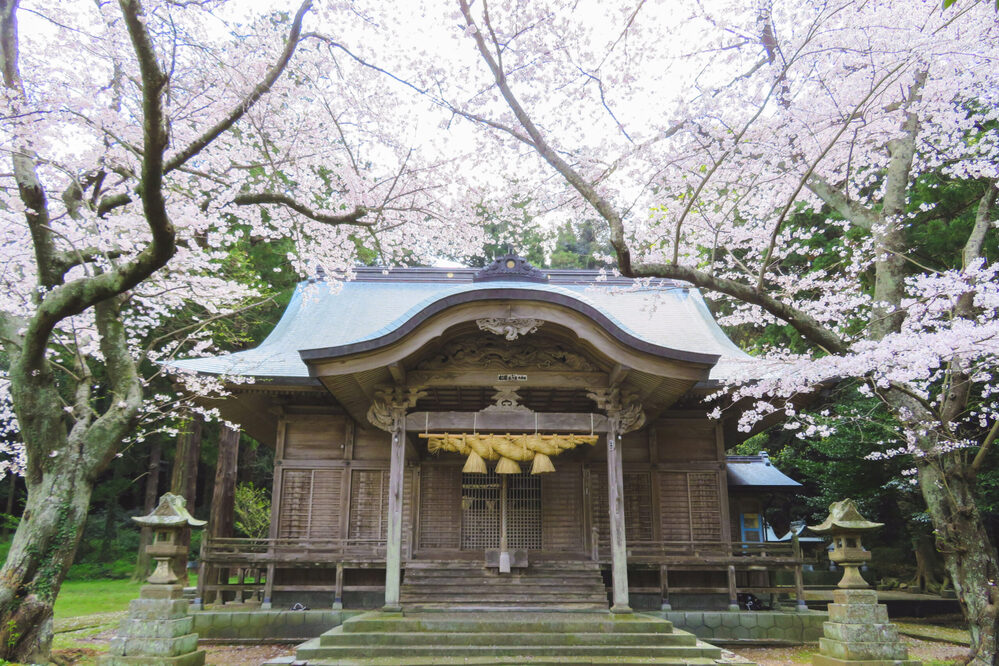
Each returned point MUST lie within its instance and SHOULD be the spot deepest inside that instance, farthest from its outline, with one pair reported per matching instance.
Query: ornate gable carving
(472, 352)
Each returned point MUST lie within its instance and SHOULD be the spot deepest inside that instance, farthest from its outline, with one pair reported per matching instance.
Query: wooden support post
(268, 587)
(393, 543)
(615, 497)
(799, 580)
(221, 520)
(733, 593)
(338, 591)
(184, 480)
(664, 587)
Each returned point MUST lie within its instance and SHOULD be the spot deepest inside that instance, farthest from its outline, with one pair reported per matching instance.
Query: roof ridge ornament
(510, 267)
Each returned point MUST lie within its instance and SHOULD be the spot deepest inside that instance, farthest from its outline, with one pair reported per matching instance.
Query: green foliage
(573, 245)
(253, 511)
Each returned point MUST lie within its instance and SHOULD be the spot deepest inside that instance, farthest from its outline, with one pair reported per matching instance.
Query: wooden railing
(242, 569)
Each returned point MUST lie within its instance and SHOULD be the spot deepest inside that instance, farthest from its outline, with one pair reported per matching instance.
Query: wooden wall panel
(684, 440)
(634, 447)
(372, 444)
(315, 436)
(562, 509)
(440, 507)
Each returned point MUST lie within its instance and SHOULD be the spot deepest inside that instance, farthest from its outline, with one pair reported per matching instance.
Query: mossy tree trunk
(70, 430)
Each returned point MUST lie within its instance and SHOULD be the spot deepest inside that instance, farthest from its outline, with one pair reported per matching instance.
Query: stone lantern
(167, 522)
(846, 526)
(858, 631)
(158, 630)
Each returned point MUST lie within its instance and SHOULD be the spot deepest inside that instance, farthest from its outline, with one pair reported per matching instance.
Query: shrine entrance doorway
(491, 501)
(459, 515)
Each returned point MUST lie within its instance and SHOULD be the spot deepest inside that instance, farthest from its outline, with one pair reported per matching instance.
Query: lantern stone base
(157, 631)
(858, 633)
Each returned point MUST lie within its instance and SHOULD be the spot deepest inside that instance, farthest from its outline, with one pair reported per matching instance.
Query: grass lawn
(88, 597)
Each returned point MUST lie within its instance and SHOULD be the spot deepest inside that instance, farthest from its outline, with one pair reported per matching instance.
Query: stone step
(500, 622)
(526, 652)
(340, 638)
(520, 606)
(483, 599)
(552, 660)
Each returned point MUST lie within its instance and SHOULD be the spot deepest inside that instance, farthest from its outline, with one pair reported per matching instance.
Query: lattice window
(705, 507)
(562, 509)
(368, 504)
(310, 503)
(440, 507)
(480, 511)
(689, 506)
(523, 506)
(637, 506)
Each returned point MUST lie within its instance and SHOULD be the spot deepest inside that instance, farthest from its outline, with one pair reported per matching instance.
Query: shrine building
(543, 432)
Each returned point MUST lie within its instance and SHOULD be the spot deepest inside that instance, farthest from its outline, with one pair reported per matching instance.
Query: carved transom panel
(472, 352)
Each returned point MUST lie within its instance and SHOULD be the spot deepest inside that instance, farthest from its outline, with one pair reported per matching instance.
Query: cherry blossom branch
(30, 188)
(261, 89)
(352, 218)
(76, 296)
(765, 264)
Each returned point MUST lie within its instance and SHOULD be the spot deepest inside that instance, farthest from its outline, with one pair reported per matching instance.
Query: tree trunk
(968, 553)
(143, 563)
(927, 564)
(11, 495)
(40, 555)
(107, 538)
(221, 518)
(184, 481)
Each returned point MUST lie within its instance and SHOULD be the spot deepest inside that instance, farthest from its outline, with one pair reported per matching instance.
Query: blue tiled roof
(322, 315)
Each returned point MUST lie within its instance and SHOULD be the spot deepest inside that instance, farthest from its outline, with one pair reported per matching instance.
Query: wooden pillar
(664, 587)
(799, 580)
(184, 480)
(221, 520)
(393, 543)
(733, 592)
(615, 497)
(143, 565)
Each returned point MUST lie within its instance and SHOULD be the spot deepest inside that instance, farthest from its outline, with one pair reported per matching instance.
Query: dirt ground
(926, 651)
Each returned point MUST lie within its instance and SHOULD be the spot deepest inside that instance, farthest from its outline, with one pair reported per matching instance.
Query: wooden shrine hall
(497, 437)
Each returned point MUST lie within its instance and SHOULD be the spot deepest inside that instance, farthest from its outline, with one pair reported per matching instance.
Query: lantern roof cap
(844, 517)
(171, 512)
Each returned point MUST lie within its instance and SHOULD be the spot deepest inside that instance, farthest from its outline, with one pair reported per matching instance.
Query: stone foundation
(746, 627)
(157, 631)
(858, 632)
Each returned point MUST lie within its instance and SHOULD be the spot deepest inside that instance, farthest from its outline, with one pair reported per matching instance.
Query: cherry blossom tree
(699, 132)
(144, 139)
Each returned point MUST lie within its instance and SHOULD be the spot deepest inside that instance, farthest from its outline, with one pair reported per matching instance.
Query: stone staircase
(504, 638)
(564, 586)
